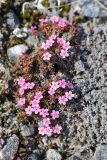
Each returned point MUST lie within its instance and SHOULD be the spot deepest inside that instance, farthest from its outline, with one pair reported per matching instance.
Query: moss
(16, 41)
(27, 13)
(45, 3)
(103, 20)
(65, 10)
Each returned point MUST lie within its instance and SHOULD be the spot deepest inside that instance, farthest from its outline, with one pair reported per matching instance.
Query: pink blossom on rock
(21, 101)
(51, 91)
(46, 121)
(44, 112)
(54, 19)
(69, 95)
(46, 56)
(55, 85)
(28, 110)
(21, 81)
(55, 114)
(62, 83)
(57, 129)
(62, 100)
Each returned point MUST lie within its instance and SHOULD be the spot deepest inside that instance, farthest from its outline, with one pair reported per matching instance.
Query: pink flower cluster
(23, 86)
(47, 130)
(59, 84)
(63, 99)
(34, 108)
(65, 46)
(53, 88)
(47, 45)
(61, 22)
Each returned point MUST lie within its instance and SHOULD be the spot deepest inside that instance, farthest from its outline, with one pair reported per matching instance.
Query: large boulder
(10, 149)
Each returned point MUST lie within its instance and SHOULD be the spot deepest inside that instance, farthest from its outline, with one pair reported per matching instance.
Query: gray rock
(30, 40)
(10, 149)
(53, 154)
(73, 158)
(27, 130)
(92, 9)
(12, 19)
(4, 78)
(1, 143)
(14, 52)
(79, 66)
(101, 153)
(32, 157)
(18, 32)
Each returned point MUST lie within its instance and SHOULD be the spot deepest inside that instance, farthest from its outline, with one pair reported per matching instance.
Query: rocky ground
(85, 121)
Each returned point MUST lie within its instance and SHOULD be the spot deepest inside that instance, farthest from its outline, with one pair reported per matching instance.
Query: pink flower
(66, 46)
(43, 20)
(21, 81)
(46, 56)
(30, 85)
(69, 85)
(52, 37)
(55, 114)
(42, 130)
(34, 103)
(21, 91)
(36, 109)
(33, 27)
(62, 83)
(44, 46)
(28, 110)
(44, 112)
(51, 91)
(38, 95)
(57, 129)
(25, 86)
(69, 95)
(62, 100)
(48, 131)
(61, 41)
(46, 121)
(55, 85)
(63, 23)
(21, 101)
(54, 19)
(49, 43)
(64, 54)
